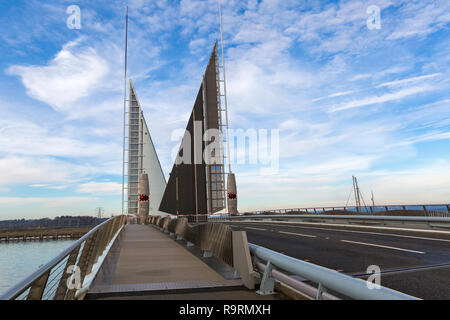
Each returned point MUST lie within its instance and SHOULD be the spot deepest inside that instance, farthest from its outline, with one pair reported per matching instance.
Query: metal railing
(428, 222)
(402, 209)
(212, 238)
(51, 281)
(324, 277)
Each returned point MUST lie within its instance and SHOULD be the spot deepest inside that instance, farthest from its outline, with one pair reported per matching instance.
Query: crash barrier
(325, 278)
(414, 221)
(425, 210)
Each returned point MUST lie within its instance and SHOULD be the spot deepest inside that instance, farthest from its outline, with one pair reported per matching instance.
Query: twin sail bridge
(196, 184)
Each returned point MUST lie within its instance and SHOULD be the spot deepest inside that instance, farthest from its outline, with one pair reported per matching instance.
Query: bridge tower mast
(357, 194)
(124, 112)
(231, 179)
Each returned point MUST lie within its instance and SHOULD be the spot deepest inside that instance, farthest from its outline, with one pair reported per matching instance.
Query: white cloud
(397, 95)
(334, 95)
(430, 181)
(46, 186)
(71, 75)
(420, 18)
(407, 81)
(22, 137)
(332, 188)
(338, 166)
(392, 70)
(40, 171)
(100, 188)
(431, 136)
(59, 202)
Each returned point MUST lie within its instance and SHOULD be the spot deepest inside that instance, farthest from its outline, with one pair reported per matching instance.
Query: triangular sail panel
(198, 187)
(142, 158)
(152, 166)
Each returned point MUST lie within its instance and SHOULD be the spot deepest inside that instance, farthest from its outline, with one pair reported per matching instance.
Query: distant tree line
(58, 222)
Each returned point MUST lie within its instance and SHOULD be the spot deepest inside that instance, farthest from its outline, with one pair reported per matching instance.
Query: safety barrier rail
(427, 210)
(324, 277)
(65, 276)
(427, 222)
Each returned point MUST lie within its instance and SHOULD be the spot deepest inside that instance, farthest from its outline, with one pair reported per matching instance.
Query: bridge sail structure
(142, 159)
(197, 181)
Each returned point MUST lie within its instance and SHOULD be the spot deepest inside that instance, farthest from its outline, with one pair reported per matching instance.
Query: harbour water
(19, 259)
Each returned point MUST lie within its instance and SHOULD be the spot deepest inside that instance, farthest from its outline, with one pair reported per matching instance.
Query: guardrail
(428, 210)
(50, 282)
(324, 277)
(428, 222)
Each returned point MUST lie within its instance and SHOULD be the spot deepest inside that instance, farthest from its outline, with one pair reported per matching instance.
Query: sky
(346, 93)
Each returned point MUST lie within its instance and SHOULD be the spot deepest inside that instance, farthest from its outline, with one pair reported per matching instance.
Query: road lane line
(381, 246)
(298, 234)
(366, 232)
(255, 228)
(357, 226)
(405, 270)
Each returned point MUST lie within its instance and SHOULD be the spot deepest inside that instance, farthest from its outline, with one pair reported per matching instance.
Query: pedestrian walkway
(152, 265)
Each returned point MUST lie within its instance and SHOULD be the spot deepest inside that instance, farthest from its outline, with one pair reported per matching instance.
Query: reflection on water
(20, 259)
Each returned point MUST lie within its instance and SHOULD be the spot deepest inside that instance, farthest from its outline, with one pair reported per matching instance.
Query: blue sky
(347, 100)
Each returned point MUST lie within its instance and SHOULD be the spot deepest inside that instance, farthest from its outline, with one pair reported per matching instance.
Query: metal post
(38, 287)
(109, 233)
(195, 165)
(86, 255)
(320, 291)
(267, 283)
(62, 287)
(207, 254)
(96, 249)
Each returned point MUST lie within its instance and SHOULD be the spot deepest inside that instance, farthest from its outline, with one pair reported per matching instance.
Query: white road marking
(352, 226)
(298, 234)
(375, 233)
(381, 246)
(255, 228)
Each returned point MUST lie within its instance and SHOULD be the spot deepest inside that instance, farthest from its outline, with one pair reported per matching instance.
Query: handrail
(106, 228)
(330, 279)
(372, 208)
(344, 217)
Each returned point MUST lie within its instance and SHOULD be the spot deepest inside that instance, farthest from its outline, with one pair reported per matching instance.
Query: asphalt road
(413, 262)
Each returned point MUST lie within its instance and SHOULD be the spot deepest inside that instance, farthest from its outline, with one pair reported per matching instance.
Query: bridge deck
(152, 265)
(150, 256)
